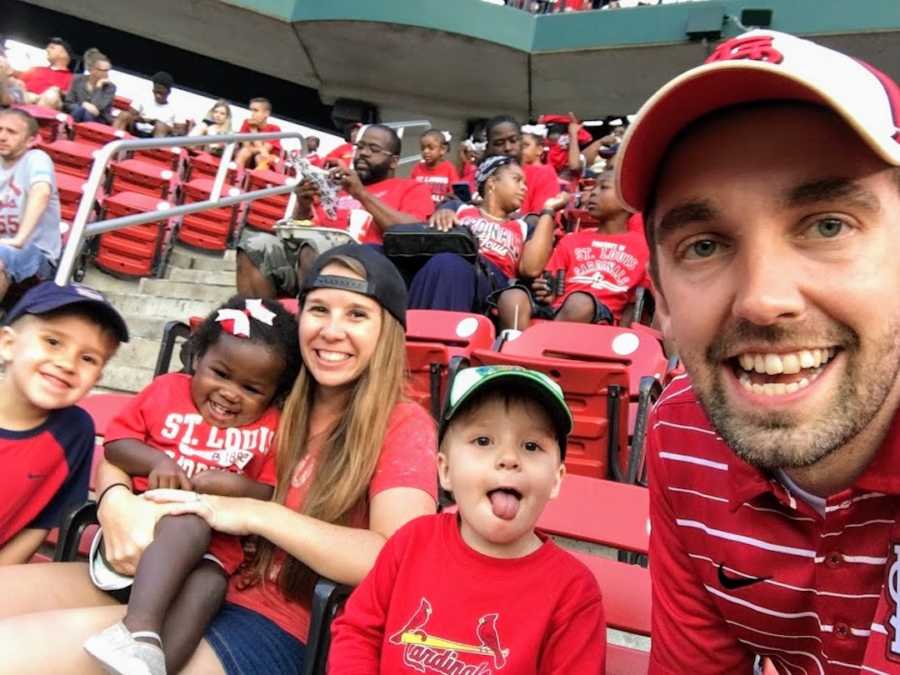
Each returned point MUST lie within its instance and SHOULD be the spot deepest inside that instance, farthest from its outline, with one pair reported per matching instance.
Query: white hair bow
(237, 321)
(536, 129)
(447, 136)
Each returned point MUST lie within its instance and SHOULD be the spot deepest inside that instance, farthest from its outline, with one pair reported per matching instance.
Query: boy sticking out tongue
(480, 591)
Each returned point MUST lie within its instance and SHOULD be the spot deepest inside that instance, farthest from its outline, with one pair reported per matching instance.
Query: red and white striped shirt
(741, 567)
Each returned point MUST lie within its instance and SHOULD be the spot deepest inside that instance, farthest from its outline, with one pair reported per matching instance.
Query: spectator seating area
(149, 180)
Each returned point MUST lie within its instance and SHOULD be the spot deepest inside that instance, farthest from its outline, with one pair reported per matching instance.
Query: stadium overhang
(469, 58)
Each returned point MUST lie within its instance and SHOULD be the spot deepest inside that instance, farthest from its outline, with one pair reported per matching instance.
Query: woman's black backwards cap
(383, 282)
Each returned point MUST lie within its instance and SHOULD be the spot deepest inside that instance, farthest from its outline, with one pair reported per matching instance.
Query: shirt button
(833, 559)
(841, 630)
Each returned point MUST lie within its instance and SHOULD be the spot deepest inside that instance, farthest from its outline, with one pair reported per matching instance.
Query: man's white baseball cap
(760, 65)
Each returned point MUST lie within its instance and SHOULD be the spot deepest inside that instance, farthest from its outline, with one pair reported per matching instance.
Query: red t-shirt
(164, 417)
(39, 79)
(542, 613)
(264, 129)
(542, 183)
(408, 459)
(500, 241)
(402, 194)
(742, 566)
(606, 266)
(468, 175)
(636, 223)
(343, 154)
(439, 178)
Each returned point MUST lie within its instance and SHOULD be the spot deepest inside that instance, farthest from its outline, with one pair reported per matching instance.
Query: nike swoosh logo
(733, 583)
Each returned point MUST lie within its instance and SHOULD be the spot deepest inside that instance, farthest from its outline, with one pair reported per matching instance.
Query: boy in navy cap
(53, 346)
(480, 591)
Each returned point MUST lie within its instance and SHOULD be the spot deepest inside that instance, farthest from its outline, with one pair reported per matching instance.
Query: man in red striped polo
(770, 187)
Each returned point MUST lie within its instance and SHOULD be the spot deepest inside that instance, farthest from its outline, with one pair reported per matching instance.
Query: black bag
(410, 246)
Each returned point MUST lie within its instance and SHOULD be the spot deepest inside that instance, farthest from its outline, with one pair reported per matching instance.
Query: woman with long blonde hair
(215, 123)
(355, 462)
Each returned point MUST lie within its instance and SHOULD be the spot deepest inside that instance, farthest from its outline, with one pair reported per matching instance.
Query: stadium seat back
(597, 395)
(639, 350)
(600, 512)
(433, 339)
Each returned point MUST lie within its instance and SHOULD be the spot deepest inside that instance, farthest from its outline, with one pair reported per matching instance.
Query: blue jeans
(23, 263)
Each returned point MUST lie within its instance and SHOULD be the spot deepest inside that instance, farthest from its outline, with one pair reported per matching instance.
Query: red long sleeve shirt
(432, 604)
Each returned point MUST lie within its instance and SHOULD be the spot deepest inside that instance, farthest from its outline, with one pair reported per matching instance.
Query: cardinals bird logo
(422, 651)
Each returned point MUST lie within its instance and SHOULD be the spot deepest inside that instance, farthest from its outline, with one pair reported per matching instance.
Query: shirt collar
(882, 475)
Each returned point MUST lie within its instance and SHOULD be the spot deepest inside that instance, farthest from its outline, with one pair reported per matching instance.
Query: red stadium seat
(206, 165)
(70, 192)
(597, 394)
(133, 175)
(131, 251)
(626, 661)
(96, 134)
(433, 338)
(262, 214)
(52, 123)
(600, 512)
(212, 229)
(71, 157)
(121, 103)
(167, 158)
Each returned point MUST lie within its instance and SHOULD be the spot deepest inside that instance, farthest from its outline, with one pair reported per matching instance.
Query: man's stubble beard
(781, 440)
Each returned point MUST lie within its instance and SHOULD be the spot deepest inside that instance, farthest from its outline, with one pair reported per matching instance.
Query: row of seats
(146, 181)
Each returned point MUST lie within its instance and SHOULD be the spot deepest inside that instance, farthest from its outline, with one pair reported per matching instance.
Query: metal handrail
(81, 229)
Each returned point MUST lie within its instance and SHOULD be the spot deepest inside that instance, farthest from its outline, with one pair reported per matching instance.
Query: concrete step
(183, 290)
(106, 283)
(120, 377)
(196, 260)
(148, 326)
(138, 351)
(207, 277)
(139, 305)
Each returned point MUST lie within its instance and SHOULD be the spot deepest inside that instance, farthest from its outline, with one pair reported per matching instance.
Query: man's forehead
(376, 135)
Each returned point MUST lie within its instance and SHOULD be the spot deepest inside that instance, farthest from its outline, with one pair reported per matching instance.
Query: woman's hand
(231, 515)
(557, 203)
(443, 220)
(128, 524)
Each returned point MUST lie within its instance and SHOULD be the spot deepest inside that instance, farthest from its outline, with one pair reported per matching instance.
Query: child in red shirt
(601, 267)
(437, 172)
(532, 607)
(210, 432)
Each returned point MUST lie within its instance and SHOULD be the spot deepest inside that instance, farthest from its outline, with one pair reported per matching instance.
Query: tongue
(504, 504)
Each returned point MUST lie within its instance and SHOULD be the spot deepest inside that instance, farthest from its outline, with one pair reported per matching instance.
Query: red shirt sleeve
(409, 454)
(559, 259)
(358, 633)
(577, 637)
(543, 183)
(689, 634)
(417, 201)
(130, 422)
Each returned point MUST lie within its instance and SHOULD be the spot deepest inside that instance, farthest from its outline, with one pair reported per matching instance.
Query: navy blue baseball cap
(49, 296)
(383, 282)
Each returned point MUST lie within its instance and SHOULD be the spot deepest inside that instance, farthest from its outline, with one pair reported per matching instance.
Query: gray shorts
(276, 258)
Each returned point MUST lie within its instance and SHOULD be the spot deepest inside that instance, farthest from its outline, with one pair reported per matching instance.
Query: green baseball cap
(529, 382)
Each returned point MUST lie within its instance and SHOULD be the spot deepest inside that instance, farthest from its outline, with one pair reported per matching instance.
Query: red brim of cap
(696, 93)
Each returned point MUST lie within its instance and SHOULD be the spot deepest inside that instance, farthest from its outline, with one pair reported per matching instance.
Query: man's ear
(662, 315)
(395, 162)
(444, 472)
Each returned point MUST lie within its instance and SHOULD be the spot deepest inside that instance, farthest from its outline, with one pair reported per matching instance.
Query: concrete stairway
(195, 284)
